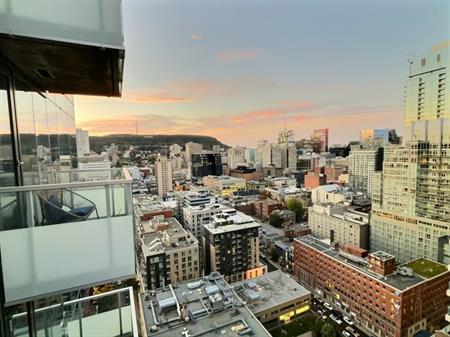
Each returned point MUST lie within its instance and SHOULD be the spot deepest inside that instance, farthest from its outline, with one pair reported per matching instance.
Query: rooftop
(230, 220)
(426, 268)
(204, 307)
(163, 235)
(269, 290)
(397, 280)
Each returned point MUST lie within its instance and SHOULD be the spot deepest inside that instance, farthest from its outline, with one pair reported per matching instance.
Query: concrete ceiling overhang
(66, 68)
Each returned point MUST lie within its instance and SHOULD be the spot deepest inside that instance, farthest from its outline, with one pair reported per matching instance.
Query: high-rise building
(411, 211)
(82, 143)
(231, 246)
(259, 154)
(60, 242)
(170, 253)
(388, 300)
(191, 148)
(196, 216)
(250, 156)
(371, 134)
(427, 92)
(205, 164)
(236, 157)
(164, 181)
(363, 162)
(320, 140)
(340, 224)
(195, 197)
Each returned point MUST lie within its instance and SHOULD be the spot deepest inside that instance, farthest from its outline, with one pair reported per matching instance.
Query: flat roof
(269, 290)
(153, 240)
(394, 280)
(208, 307)
(230, 220)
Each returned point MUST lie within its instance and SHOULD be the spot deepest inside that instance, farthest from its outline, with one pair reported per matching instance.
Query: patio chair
(9, 216)
(64, 205)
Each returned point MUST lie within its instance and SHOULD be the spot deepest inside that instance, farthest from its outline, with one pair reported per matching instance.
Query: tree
(275, 220)
(297, 207)
(327, 330)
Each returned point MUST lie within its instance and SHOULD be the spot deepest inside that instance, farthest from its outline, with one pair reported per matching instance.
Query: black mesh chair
(64, 205)
(9, 216)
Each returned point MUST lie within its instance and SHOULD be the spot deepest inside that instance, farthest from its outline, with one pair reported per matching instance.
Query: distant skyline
(237, 70)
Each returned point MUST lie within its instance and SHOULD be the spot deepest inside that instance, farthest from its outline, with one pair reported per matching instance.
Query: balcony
(75, 231)
(107, 314)
(70, 47)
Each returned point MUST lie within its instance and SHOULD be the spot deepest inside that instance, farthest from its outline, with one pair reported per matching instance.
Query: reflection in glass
(7, 168)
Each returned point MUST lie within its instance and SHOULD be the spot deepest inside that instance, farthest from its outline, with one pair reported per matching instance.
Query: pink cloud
(237, 55)
(196, 36)
(152, 97)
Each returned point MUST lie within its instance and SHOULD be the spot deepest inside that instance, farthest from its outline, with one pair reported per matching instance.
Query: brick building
(263, 208)
(385, 299)
(314, 179)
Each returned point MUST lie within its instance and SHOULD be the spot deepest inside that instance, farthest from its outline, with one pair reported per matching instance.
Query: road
(317, 305)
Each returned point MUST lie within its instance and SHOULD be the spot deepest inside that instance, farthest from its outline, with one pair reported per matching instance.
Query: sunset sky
(237, 71)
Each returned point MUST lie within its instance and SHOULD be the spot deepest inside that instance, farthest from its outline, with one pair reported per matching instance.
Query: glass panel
(7, 167)
(42, 134)
(27, 136)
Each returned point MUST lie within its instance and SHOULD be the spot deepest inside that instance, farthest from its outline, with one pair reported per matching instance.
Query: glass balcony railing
(66, 196)
(107, 314)
(75, 231)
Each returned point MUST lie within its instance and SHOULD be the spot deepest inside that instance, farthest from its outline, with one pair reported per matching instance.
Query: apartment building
(427, 95)
(164, 177)
(236, 157)
(231, 246)
(196, 196)
(387, 299)
(146, 207)
(340, 224)
(333, 194)
(82, 139)
(264, 207)
(168, 254)
(206, 163)
(224, 185)
(190, 148)
(411, 215)
(196, 216)
(364, 160)
(49, 258)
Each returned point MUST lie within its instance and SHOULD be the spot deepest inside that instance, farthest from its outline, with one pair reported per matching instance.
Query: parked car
(352, 331)
(346, 334)
(324, 317)
(328, 306)
(336, 319)
(348, 320)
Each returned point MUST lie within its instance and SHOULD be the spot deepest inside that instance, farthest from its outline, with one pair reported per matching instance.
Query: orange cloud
(196, 36)
(237, 55)
(155, 98)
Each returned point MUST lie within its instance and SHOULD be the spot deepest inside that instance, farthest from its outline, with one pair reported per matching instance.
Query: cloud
(196, 36)
(237, 55)
(152, 97)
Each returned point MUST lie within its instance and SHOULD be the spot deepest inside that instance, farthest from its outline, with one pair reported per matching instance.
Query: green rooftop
(426, 268)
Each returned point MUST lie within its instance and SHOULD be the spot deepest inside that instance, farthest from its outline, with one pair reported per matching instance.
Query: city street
(318, 308)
